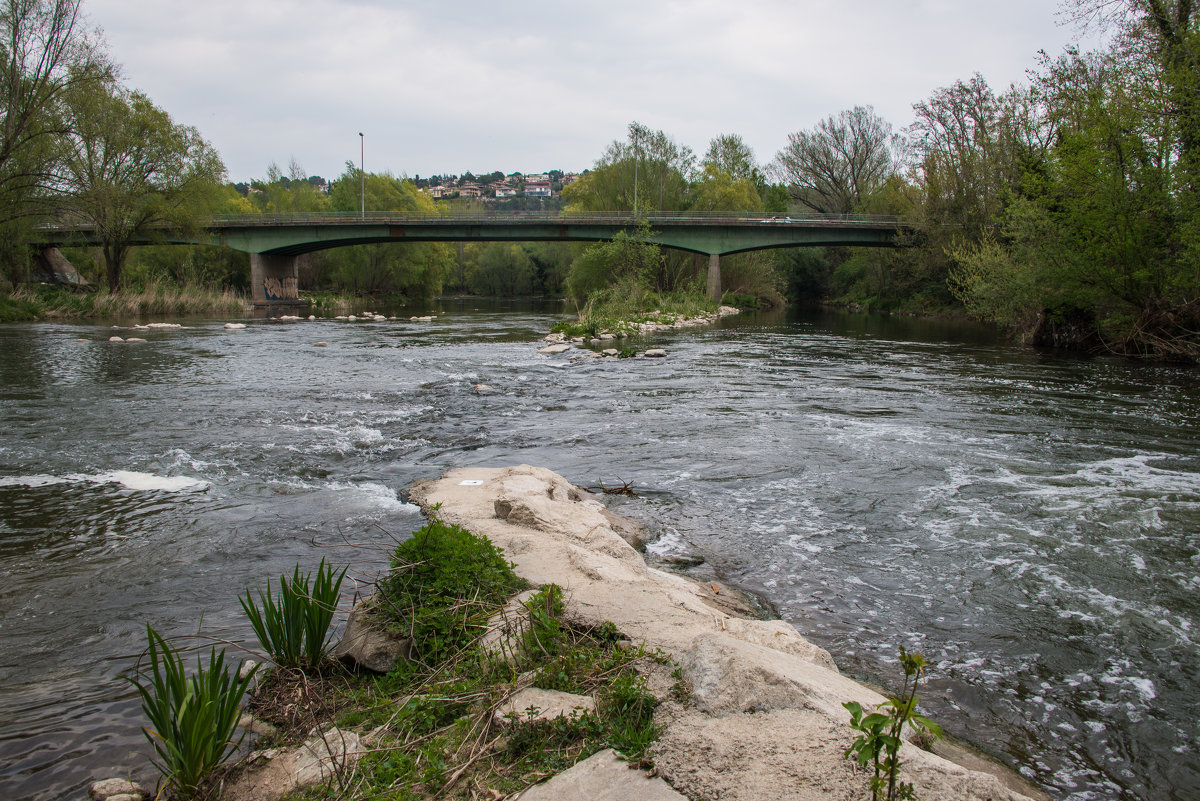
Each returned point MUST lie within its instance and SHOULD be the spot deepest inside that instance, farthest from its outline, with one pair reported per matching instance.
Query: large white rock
(277, 772)
(767, 703)
(561, 347)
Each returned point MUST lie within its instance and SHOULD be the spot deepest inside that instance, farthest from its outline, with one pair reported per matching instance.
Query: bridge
(274, 242)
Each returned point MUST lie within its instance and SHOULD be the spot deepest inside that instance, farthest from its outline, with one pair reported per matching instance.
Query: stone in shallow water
(655, 353)
(113, 789)
(559, 348)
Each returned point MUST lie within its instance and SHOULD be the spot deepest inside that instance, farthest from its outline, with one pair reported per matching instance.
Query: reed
(192, 720)
(293, 626)
(155, 298)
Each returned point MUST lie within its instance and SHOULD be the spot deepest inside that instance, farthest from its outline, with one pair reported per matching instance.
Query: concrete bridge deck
(276, 240)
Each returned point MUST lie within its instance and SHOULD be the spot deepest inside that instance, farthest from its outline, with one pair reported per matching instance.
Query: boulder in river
(116, 790)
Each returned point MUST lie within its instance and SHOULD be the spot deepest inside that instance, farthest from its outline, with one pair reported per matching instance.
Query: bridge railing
(562, 217)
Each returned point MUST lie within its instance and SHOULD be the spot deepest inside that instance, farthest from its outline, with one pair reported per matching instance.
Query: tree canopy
(129, 170)
(834, 167)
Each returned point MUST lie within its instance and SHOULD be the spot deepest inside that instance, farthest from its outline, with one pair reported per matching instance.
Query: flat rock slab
(319, 759)
(602, 777)
(559, 348)
(534, 703)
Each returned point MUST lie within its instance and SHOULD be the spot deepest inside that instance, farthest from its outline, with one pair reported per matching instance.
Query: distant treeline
(1066, 209)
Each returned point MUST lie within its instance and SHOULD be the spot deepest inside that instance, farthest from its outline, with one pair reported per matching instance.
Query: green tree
(133, 173)
(729, 153)
(293, 193)
(629, 260)
(662, 167)
(551, 264)
(416, 270)
(499, 269)
(46, 52)
(717, 190)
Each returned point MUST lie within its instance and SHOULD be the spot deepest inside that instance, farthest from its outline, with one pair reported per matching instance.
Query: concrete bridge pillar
(273, 280)
(714, 276)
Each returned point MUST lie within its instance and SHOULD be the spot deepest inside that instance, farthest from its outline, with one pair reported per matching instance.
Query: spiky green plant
(192, 720)
(293, 626)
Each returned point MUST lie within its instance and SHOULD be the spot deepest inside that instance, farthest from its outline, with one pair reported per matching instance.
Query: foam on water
(130, 479)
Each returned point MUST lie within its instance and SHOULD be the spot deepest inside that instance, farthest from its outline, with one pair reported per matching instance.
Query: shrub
(294, 627)
(192, 721)
(878, 744)
(443, 584)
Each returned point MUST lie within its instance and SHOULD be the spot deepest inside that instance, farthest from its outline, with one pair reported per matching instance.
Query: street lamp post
(362, 150)
(635, 173)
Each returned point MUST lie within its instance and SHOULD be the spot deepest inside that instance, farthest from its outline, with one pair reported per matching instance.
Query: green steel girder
(698, 238)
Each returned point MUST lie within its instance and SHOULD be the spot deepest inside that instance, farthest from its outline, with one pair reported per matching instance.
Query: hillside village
(496, 186)
(493, 187)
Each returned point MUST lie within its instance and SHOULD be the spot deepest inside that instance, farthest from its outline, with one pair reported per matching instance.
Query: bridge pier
(274, 281)
(714, 276)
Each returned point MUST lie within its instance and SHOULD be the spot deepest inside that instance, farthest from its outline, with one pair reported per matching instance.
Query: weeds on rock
(293, 627)
(192, 720)
(878, 744)
(438, 724)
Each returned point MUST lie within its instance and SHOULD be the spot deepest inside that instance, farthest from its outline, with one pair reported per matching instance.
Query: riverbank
(746, 708)
(58, 303)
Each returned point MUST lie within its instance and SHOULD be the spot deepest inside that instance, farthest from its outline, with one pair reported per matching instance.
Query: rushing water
(1030, 523)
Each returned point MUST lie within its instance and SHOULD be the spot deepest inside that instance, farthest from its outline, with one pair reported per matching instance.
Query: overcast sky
(535, 85)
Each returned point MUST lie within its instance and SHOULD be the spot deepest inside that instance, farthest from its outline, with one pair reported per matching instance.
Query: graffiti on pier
(281, 289)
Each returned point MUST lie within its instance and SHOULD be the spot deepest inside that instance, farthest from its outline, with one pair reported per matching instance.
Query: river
(1029, 522)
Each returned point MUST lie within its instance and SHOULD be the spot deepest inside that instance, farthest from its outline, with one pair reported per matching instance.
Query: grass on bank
(46, 302)
(432, 719)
